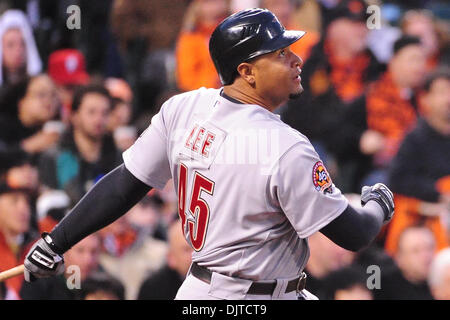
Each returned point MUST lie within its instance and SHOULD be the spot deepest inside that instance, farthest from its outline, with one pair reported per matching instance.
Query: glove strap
(49, 241)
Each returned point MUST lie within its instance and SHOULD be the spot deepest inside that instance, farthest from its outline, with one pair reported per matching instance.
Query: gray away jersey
(251, 189)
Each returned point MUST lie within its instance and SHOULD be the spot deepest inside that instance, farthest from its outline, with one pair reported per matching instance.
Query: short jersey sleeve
(303, 189)
(147, 159)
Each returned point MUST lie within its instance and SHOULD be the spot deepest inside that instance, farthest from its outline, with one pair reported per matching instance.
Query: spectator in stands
(85, 152)
(325, 257)
(420, 173)
(169, 205)
(18, 52)
(348, 283)
(147, 217)
(420, 23)
(51, 207)
(285, 12)
(19, 170)
(439, 277)
(376, 123)
(15, 212)
(67, 68)
(118, 237)
(388, 101)
(308, 14)
(101, 286)
(416, 248)
(146, 32)
(34, 104)
(121, 113)
(119, 124)
(81, 261)
(164, 284)
(195, 68)
(338, 71)
(120, 89)
(130, 251)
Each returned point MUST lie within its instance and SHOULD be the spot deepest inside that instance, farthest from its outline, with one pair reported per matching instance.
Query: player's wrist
(49, 241)
(384, 207)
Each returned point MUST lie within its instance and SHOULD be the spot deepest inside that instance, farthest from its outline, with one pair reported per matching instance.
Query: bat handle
(13, 272)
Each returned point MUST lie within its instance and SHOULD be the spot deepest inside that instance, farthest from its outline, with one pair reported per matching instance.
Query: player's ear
(246, 71)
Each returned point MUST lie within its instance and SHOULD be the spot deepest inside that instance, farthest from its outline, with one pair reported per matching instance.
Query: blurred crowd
(376, 106)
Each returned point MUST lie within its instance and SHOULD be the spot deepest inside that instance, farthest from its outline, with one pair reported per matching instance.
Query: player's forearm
(108, 200)
(355, 229)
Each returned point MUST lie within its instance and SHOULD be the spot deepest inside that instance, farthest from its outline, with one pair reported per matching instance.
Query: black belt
(262, 288)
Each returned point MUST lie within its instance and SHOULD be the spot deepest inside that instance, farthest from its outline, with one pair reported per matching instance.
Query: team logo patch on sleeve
(321, 179)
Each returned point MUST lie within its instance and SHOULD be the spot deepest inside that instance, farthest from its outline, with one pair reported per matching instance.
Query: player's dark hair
(440, 73)
(82, 91)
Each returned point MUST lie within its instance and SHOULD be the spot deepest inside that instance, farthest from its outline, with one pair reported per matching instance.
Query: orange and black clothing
(11, 257)
(419, 172)
(194, 66)
(346, 76)
(330, 85)
(390, 112)
(381, 108)
(117, 244)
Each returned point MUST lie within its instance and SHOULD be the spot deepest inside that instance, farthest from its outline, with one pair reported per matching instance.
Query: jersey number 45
(197, 214)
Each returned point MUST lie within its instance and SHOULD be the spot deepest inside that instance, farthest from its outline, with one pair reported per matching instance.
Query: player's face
(277, 76)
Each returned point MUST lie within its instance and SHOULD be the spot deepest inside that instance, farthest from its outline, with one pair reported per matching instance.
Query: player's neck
(239, 92)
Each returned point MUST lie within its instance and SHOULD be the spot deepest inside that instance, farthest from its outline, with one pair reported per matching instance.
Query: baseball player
(251, 190)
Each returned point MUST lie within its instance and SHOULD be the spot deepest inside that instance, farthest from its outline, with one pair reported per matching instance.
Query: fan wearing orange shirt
(194, 67)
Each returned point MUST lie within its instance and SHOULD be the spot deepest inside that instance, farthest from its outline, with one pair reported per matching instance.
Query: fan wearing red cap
(67, 68)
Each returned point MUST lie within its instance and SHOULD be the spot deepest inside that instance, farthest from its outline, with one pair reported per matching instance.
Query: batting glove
(382, 195)
(41, 261)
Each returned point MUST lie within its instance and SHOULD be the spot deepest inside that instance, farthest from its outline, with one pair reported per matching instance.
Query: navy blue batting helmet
(246, 35)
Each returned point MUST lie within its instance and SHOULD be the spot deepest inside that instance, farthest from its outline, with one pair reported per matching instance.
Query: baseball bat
(13, 272)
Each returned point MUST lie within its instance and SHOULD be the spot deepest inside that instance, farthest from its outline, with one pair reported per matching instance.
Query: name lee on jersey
(200, 140)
